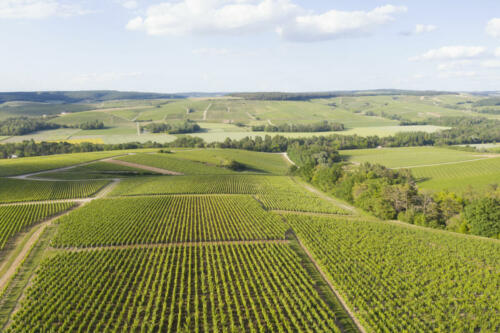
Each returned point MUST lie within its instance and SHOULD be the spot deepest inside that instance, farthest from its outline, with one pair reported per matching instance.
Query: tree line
(176, 128)
(323, 126)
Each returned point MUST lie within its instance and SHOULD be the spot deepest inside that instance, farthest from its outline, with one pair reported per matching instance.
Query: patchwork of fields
(217, 250)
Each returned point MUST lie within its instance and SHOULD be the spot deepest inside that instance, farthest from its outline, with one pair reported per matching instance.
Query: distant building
(13, 156)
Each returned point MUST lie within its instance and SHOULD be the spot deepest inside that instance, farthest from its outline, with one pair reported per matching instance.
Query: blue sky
(249, 45)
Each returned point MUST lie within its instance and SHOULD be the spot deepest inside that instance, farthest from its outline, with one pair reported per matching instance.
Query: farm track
(40, 227)
(288, 159)
(162, 245)
(144, 167)
(205, 113)
(326, 197)
(332, 288)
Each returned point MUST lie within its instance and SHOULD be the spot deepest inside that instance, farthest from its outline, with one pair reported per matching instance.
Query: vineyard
(14, 219)
(171, 163)
(225, 288)
(403, 279)
(11, 167)
(154, 220)
(16, 190)
(97, 170)
(298, 201)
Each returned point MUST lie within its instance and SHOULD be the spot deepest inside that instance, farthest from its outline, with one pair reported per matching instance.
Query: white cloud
(239, 16)
(493, 27)
(335, 24)
(497, 52)
(421, 28)
(37, 9)
(212, 16)
(452, 52)
(105, 77)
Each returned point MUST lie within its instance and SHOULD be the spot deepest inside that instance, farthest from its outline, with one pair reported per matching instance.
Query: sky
(249, 45)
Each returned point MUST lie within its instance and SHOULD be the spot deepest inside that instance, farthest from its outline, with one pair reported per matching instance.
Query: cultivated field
(176, 242)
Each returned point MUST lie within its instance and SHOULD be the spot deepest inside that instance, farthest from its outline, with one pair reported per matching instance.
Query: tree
(483, 217)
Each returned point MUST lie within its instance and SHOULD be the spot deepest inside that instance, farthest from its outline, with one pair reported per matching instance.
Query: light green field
(19, 166)
(460, 177)
(264, 162)
(97, 170)
(48, 135)
(409, 157)
(408, 107)
(436, 168)
(172, 163)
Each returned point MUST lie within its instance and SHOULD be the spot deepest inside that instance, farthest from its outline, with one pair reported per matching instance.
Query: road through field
(16, 262)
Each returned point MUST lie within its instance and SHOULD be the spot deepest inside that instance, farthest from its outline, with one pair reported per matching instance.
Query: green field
(19, 166)
(436, 168)
(180, 289)
(460, 177)
(399, 278)
(269, 163)
(409, 157)
(154, 220)
(217, 250)
(16, 190)
(14, 219)
(172, 163)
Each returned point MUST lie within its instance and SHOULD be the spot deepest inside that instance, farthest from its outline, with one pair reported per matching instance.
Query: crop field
(180, 289)
(298, 201)
(409, 157)
(172, 163)
(19, 166)
(403, 279)
(153, 220)
(16, 190)
(97, 170)
(271, 163)
(14, 219)
(460, 177)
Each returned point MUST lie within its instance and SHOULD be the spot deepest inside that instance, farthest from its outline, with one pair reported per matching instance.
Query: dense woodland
(24, 125)
(323, 126)
(176, 128)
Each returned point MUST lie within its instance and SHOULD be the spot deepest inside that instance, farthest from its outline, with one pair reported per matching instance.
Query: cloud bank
(452, 53)
(288, 19)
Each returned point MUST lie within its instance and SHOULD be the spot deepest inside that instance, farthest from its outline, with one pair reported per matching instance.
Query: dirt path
(138, 129)
(144, 167)
(205, 113)
(326, 197)
(270, 122)
(339, 297)
(486, 157)
(14, 265)
(287, 158)
(250, 116)
(25, 203)
(40, 227)
(161, 245)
